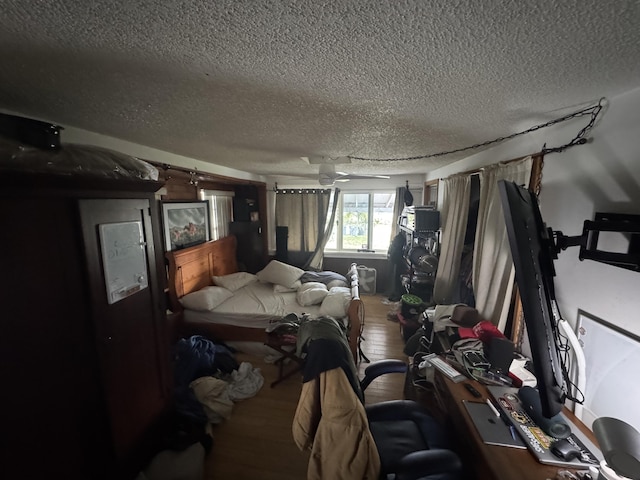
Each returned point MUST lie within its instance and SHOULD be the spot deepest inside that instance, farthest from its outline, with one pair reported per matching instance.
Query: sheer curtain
(315, 262)
(221, 211)
(493, 272)
(454, 214)
(304, 212)
(398, 206)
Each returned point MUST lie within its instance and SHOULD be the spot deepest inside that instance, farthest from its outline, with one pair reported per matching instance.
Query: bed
(192, 270)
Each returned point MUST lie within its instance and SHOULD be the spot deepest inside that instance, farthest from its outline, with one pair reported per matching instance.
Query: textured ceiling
(255, 85)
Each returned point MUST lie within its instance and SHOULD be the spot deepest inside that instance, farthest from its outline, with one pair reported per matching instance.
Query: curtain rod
(289, 191)
(477, 170)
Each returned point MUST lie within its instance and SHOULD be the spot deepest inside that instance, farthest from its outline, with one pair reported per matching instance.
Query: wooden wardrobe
(85, 382)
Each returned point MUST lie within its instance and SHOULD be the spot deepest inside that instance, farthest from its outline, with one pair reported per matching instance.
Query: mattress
(253, 306)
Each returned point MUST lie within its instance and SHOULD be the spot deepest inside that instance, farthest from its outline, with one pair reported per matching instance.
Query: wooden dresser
(85, 382)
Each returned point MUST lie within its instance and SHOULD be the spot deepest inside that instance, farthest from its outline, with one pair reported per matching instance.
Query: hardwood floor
(256, 442)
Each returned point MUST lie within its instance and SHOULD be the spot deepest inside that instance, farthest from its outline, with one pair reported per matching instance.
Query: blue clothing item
(197, 357)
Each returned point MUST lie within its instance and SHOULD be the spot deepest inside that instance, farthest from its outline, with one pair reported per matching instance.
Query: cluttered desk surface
(494, 461)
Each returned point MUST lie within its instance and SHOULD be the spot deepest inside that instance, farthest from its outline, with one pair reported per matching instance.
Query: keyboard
(447, 370)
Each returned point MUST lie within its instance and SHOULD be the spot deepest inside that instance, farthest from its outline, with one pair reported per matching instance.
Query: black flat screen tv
(532, 250)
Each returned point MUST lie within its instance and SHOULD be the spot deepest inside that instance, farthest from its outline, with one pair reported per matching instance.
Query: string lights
(580, 139)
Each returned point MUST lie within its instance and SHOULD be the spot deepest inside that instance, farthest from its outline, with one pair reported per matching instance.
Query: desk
(491, 462)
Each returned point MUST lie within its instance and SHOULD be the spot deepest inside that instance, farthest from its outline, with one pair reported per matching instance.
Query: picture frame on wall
(185, 224)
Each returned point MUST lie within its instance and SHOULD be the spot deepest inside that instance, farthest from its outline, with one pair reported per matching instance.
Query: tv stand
(490, 461)
(555, 427)
(627, 224)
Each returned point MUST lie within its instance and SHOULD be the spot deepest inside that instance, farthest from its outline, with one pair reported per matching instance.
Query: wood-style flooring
(256, 442)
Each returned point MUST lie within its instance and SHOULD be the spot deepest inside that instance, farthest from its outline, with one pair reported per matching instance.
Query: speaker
(241, 212)
(282, 244)
(499, 352)
(554, 427)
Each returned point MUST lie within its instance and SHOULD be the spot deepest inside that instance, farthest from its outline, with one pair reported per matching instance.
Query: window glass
(355, 221)
(363, 221)
(383, 220)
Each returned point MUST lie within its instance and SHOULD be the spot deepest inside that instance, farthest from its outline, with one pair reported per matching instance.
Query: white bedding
(253, 305)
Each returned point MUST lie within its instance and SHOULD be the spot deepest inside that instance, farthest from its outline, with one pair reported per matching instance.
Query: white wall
(79, 136)
(602, 176)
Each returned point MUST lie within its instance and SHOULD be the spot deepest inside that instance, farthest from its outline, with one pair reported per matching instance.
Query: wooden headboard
(192, 268)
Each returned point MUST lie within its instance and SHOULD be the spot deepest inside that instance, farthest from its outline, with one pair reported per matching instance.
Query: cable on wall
(580, 139)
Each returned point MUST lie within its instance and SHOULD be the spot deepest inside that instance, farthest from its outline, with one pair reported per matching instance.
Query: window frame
(338, 226)
(431, 193)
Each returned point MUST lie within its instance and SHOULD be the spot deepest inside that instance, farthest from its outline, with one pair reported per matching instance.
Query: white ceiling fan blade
(327, 175)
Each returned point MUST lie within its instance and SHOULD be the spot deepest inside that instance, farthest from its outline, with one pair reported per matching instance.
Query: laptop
(493, 430)
(538, 443)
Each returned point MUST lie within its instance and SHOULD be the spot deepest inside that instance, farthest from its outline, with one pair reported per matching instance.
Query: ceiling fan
(327, 175)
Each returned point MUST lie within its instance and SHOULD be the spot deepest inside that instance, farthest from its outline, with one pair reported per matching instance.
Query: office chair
(410, 443)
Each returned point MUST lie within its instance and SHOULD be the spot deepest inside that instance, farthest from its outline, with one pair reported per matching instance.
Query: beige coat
(331, 421)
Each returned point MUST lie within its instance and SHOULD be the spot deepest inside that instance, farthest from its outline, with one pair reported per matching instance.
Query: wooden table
(489, 461)
(278, 344)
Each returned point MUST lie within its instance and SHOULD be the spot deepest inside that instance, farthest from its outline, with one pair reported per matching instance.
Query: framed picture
(185, 224)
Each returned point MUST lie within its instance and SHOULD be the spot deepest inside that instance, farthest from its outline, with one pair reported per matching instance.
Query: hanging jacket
(330, 420)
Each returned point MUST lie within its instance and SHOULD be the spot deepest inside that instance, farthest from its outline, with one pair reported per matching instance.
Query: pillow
(336, 283)
(280, 274)
(281, 289)
(336, 303)
(311, 296)
(309, 285)
(324, 277)
(234, 281)
(205, 299)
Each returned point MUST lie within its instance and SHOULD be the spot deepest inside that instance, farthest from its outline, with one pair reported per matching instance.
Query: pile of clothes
(208, 379)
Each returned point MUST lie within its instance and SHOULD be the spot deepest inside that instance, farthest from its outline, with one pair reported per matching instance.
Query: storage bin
(412, 306)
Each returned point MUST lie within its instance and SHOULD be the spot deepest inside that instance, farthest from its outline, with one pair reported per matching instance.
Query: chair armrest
(382, 367)
(427, 462)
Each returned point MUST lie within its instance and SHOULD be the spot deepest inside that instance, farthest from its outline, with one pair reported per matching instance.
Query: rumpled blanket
(245, 382)
(212, 393)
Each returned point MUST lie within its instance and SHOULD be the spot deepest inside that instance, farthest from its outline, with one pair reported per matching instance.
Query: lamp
(620, 445)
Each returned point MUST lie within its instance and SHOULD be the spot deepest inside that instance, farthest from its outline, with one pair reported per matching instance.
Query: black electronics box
(31, 132)
(426, 219)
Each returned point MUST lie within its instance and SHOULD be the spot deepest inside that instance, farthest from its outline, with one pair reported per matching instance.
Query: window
(363, 221)
(220, 210)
